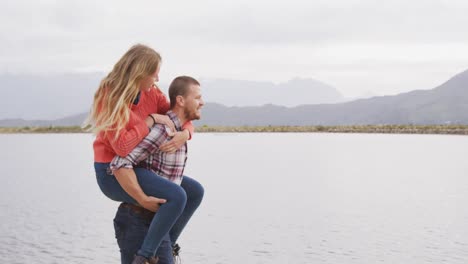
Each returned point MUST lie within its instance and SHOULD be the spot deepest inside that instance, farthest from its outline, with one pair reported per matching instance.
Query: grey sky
(381, 47)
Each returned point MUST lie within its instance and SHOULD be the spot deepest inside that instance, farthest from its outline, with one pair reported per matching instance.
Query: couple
(140, 153)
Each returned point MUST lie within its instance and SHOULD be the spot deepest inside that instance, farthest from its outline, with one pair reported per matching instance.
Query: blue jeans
(130, 231)
(172, 216)
(195, 192)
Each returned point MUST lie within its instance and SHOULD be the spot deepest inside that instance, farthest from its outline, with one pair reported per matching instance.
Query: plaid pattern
(147, 155)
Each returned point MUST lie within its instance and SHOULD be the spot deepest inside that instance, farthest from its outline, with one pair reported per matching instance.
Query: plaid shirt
(147, 154)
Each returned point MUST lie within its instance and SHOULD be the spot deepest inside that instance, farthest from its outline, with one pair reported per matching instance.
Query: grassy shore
(390, 129)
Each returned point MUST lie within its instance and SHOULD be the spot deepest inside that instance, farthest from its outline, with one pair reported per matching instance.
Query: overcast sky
(366, 46)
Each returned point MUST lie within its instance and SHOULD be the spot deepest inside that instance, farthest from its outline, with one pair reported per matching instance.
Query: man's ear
(180, 100)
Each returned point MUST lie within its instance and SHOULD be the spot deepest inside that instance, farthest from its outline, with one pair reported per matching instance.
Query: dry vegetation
(396, 129)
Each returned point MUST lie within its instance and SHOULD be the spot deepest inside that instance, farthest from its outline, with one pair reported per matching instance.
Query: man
(132, 222)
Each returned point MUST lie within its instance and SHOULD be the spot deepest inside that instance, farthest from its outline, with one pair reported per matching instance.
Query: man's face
(193, 103)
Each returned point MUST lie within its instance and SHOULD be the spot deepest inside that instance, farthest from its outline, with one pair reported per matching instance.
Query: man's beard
(191, 115)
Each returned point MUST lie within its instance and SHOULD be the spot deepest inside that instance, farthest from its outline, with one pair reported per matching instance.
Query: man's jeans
(152, 185)
(188, 195)
(130, 231)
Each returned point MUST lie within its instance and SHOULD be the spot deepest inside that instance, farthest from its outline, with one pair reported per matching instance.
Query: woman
(126, 105)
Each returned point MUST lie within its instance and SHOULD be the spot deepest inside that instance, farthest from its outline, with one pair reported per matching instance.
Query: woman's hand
(176, 142)
(165, 120)
(151, 203)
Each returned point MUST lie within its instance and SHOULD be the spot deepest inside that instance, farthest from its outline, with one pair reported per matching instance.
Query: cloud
(236, 39)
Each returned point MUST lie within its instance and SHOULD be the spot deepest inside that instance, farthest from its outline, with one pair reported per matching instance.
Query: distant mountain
(61, 95)
(445, 104)
(73, 120)
(47, 96)
(249, 93)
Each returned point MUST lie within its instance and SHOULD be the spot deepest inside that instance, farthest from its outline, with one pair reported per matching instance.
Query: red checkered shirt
(147, 154)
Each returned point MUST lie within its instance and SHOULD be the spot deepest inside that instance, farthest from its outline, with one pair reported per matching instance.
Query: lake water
(269, 198)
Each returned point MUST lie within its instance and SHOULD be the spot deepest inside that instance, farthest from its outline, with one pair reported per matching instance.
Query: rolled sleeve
(119, 162)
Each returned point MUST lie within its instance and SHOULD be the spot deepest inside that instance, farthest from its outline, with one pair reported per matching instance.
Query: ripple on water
(358, 217)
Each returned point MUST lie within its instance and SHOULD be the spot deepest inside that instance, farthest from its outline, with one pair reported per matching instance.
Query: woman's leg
(168, 212)
(152, 185)
(164, 252)
(109, 185)
(194, 191)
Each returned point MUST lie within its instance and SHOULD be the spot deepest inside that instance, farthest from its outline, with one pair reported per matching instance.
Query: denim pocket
(130, 230)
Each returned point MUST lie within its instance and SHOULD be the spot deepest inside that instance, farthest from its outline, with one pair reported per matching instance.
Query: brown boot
(153, 260)
(142, 260)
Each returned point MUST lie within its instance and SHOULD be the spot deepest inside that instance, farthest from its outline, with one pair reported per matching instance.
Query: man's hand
(176, 142)
(151, 203)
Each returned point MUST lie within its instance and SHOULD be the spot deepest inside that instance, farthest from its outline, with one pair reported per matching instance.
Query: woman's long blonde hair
(111, 106)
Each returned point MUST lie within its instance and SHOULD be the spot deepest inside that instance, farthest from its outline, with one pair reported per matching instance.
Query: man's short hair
(180, 86)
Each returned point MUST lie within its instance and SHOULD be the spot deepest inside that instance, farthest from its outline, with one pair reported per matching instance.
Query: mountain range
(445, 104)
(46, 97)
(297, 91)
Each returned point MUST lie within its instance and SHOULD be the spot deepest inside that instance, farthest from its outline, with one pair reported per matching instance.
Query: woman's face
(147, 82)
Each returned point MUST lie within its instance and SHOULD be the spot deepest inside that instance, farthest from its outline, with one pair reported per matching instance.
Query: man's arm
(125, 175)
(128, 180)
(146, 147)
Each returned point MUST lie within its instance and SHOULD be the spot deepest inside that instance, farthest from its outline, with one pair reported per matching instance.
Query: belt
(138, 209)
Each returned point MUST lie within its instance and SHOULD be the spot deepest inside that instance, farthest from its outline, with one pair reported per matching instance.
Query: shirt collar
(137, 99)
(174, 119)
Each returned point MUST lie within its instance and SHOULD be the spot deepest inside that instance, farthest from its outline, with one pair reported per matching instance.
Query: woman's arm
(179, 139)
(190, 128)
(128, 180)
(129, 138)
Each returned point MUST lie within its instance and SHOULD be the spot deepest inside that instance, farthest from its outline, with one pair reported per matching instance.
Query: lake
(269, 198)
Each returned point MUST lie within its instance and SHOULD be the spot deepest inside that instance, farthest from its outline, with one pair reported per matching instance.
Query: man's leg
(130, 230)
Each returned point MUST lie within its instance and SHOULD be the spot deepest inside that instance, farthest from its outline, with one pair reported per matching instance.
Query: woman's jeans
(172, 216)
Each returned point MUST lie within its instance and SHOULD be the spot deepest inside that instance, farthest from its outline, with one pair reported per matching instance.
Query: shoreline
(371, 129)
